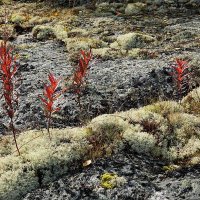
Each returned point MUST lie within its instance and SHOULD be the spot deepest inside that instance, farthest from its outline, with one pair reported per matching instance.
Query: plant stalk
(14, 135)
(48, 125)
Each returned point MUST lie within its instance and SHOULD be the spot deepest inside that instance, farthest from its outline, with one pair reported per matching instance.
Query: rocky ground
(141, 178)
(125, 73)
(132, 55)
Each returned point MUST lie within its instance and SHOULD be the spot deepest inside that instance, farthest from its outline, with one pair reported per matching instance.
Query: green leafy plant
(8, 70)
(50, 96)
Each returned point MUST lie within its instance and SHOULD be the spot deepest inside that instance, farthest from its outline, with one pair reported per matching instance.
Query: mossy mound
(132, 40)
(10, 30)
(163, 130)
(41, 161)
(191, 102)
(43, 32)
(18, 18)
(135, 8)
(36, 20)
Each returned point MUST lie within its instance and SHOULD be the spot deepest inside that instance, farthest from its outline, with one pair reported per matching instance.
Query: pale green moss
(162, 130)
(18, 18)
(40, 159)
(75, 44)
(168, 133)
(78, 32)
(132, 40)
(102, 52)
(134, 53)
(141, 142)
(61, 32)
(164, 107)
(191, 102)
(43, 32)
(110, 121)
(134, 8)
(37, 20)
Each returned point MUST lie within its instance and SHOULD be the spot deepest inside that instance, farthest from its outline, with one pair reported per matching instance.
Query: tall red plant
(80, 73)
(180, 75)
(50, 96)
(8, 70)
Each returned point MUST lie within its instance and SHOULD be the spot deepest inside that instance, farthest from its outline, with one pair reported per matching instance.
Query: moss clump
(134, 53)
(75, 44)
(191, 102)
(134, 8)
(104, 135)
(108, 180)
(40, 161)
(132, 40)
(43, 32)
(10, 30)
(78, 32)
(163, 130)
(36, 20)
(164, 107)
(106, 53)
(18, 18)
(61, 32)
(111, 180)
(170, 168)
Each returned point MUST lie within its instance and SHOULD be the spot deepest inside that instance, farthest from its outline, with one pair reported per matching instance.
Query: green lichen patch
(170, 168)
(112, 180)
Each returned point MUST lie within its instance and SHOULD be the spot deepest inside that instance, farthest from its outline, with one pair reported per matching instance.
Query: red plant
(180, 75)
(80, 73)
(8, 70)
(50, 96)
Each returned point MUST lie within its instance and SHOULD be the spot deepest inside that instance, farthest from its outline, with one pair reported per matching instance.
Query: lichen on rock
(111, 180)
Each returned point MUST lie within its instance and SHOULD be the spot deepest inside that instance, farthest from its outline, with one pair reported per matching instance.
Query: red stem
(14, 135)
(48, 124)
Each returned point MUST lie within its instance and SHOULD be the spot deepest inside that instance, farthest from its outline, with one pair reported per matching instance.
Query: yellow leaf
(87, 163)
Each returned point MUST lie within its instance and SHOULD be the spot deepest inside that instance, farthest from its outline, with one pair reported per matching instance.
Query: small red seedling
(50, 96)
(80, 73)
(181, 75)
(8, 70)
